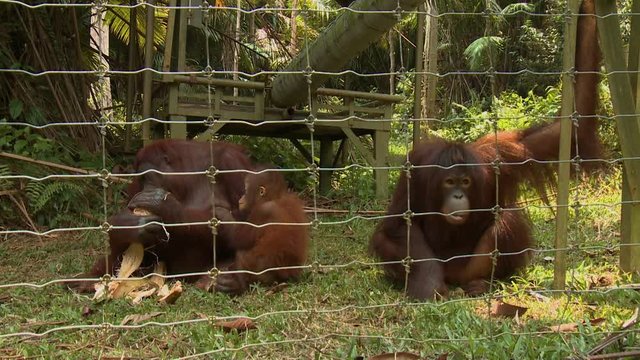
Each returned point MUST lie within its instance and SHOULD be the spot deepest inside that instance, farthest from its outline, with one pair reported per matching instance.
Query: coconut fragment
(131, 260)
(141, 212)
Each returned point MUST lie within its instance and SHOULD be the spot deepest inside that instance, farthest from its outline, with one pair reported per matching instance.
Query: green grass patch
(337, 312)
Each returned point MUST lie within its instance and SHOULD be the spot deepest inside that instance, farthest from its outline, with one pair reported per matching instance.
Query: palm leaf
(483, 52)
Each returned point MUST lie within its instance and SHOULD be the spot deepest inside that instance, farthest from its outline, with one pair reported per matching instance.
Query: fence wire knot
(99, 5)
(315, 267)
(406, 264)
(106, 279)
(205, 6)
(496, 210)
(210, 121)
(308, 72)
(105, 227)
(576, 205)
(104, 176)
(398, 12)
(407, 166)
(577, 160)
(213, 275)
(208, 71)
(310, 120)
(314, 172)
(315, 224)
(495, 164)
(214, 223)
(491, 73)
(212, 171)
(575, 117)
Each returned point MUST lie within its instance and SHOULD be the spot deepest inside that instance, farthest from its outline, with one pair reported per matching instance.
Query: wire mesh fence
(342, 306)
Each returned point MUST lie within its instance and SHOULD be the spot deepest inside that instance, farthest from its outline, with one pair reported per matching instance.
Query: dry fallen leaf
(123, 288)
(239, 324)
(597, 281)
(500, 308)
(396, 356)
(138, 296)
(139, 318)
(571, 327)
(173, 295)
(276, 288)
(86, 311)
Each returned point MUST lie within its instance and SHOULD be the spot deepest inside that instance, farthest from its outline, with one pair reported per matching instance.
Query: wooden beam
(355, 140)
(305, 153)
(349, 34)
(359, 95)
(203, 80)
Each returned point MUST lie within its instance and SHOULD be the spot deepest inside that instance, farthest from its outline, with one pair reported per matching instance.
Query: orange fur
(520, 154)
(271, 246)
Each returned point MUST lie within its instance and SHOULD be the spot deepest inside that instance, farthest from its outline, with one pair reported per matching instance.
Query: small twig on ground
(23, 209)
(336, 211)
(613, 338)
(618, 355)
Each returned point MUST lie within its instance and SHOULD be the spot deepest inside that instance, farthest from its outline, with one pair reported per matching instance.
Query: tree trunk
(100, 42)
(294, 27)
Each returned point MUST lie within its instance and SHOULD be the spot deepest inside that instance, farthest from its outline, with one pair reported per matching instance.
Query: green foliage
(511, 111)
(279, 153)
(54, 202)
(515, 8)
(483, 52)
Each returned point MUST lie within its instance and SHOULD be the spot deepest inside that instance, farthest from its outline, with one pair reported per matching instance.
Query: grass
(335, 313)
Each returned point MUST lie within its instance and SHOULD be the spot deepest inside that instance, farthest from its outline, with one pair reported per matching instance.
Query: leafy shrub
(54, 202)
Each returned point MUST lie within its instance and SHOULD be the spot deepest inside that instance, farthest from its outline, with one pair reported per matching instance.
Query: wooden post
(630, 230)
(417, 86)
(628, 126)
(148, 75)
(179, 131)
(564, 173)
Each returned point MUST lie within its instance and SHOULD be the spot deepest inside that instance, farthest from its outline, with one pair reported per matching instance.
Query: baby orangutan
(267, 200)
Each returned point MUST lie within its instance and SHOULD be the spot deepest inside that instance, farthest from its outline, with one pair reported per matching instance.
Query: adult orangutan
(175, 199)
(460, 213)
